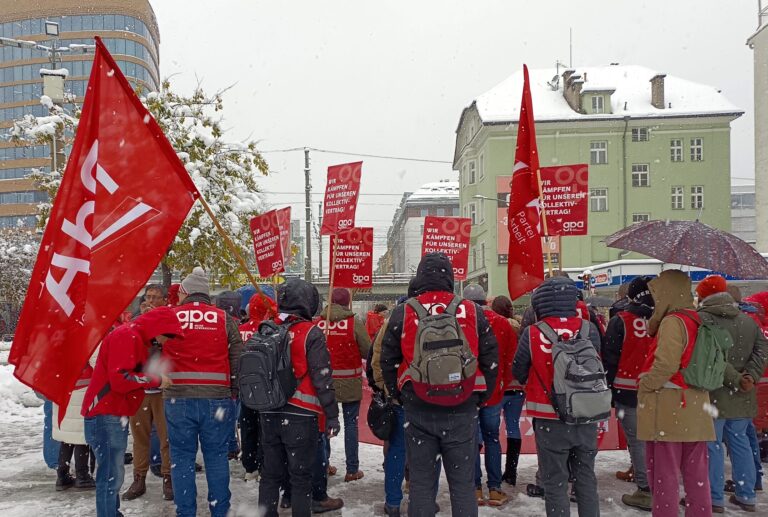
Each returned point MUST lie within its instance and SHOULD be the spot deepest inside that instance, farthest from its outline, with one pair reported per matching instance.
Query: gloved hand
(332, 427)
(165, 382)
(746, 383)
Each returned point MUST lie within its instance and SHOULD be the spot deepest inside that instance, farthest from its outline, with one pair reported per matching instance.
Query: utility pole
(308, 214)
(319, 239)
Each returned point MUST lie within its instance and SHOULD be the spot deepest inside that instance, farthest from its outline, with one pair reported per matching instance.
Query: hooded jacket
(299, 300)
(435, 273)
(350, 390)
(118, 382)
(748, 354)
(664, 413)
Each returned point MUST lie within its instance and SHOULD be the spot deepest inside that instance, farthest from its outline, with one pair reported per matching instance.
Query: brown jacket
(350, 390)
(668, 414)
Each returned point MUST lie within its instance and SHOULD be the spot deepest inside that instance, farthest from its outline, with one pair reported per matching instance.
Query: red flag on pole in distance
(525, 268)
(341, 193)
(449, 235)
(284, 222)
(265, 230)
(354, 258)
(123, 197)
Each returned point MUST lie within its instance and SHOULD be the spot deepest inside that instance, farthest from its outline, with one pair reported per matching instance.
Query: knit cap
(712, 284)
(341, 297)
(196, 282)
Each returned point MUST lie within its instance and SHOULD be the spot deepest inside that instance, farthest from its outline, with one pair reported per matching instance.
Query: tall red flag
(123, 196)
(525, 269)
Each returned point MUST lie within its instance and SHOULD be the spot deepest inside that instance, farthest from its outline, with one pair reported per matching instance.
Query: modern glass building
(129, 30)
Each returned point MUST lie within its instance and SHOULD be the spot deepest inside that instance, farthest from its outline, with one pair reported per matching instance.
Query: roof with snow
(442, 190)
(631, 85)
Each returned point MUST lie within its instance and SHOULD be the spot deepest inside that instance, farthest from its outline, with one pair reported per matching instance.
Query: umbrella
(694, 244)
(599, 301)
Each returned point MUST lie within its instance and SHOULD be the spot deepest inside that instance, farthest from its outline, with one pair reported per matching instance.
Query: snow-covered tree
(225, 174)
(18, 249)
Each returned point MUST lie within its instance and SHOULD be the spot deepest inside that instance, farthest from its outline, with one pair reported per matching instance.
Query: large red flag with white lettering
(123, 196)
(525, 268)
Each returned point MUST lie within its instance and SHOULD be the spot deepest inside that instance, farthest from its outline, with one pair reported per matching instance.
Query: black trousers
(250, 438)
(290, 444)
(80, 453)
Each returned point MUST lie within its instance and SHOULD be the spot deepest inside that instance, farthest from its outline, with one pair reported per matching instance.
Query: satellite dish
(555, 82)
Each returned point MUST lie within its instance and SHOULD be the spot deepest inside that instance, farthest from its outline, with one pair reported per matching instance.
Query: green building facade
(658, 147)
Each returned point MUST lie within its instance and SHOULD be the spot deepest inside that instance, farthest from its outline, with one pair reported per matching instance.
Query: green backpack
(706, 368)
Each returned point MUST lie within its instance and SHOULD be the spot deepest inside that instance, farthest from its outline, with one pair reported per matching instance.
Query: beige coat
(668, 414)
(72, 428)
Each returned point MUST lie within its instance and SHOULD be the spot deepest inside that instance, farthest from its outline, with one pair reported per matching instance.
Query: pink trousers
(666, 461)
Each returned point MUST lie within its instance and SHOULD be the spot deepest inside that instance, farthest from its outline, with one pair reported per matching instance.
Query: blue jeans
(320, 469)
(154, 448)
(50, 446)
(754, 444)
(394, 461)
(351, 412)
(489, 421)
(734, 430)
(513, 407)
(232, 443)
(108, 437)
(206, 420)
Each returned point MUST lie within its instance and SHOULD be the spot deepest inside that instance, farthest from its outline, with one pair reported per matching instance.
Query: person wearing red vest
(674, 420)
(115, 393)
(626, 348)
(291, 434)
(760, 302)
(438, 426)
(489, 415)
(348, 343)
(554, 303)
(375, 320)
(199, 405)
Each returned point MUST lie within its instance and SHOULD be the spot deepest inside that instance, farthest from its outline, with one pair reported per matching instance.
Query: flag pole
(232, 247)
(334, 246)
(544, 220)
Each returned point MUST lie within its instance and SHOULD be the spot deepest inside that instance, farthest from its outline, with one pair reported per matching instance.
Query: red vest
(202, 357)
(507, 341)
(634, 351)
(692, 330)
(305, 395)
(248, 329)
(537, 401)
(342, 346)
(435, 302)
(85, 377)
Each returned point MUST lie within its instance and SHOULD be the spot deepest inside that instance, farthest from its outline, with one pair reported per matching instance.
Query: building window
(745, 201)
(598, 153)
(472, 213)
(676, 150)
(472, 167)
(598, 199)
(441, 211)
(423, 212)
(481, 166)
(697, 149)
(677, 198)
(641, 218)
(697, 197)
(640, 134)
(640, 175)
(597, 104)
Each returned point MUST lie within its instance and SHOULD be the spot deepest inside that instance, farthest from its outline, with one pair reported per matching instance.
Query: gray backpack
(579, 392)
(444, 368)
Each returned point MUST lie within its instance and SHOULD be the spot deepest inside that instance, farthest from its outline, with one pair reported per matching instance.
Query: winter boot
(156, 470)
(497, 498)
(353, 476)
(64, 480)
(744, 506)
(513, 455)
(640, 499)
(167, 488)
(137, 489)
(628, 475)
(479, 496)
(327, 505)
(534, 491)
(391, 511)
(84, 481)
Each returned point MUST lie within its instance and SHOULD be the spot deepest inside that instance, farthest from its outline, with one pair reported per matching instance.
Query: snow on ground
(27, 485)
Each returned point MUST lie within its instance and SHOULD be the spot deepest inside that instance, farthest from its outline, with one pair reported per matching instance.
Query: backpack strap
(453, 306)
(584, 330)
(416, 305)
(548, 331)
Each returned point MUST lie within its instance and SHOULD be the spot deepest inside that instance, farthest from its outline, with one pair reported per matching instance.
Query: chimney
(572, 90)
(657, 91)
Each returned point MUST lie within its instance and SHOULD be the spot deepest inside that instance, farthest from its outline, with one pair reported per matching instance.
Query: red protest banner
(353, 250)
(109, 226)
(449, 235)
(566, 199)
(284, 223)
(341, 193)
(266, 243)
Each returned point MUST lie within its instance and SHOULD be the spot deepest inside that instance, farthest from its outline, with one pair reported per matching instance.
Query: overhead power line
(364, 155)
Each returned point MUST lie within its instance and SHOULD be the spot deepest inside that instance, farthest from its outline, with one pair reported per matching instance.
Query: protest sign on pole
(284, 223)
(266, 243)
(449, 235)
(566, 196)
(353, 250)
(341, 193)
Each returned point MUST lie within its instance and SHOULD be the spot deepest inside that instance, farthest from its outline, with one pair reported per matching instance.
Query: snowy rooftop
(444, 190)
(632, 87)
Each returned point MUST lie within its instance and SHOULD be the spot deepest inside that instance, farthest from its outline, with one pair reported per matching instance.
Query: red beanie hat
(341, 297)
(712, 284)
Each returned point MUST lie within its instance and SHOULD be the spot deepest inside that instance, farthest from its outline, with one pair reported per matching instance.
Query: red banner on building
(354, 258)
(566, 199)
(123, 197)
(284, 222)
(341, 193)
(265, 230)
(449, 235)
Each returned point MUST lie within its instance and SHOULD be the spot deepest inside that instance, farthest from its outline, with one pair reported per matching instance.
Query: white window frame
(598, 106)
(643, 175)
(598, 202)
(697, 149)
(676, 150)
(697, 197)
(471, 172)
(598, 152)
(481, 167)
(472, 213)
(640, 134)
(641, 217)
(678, 197)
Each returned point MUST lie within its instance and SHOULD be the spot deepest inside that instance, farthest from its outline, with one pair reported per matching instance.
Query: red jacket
(118, 382)
(373, 323)
(507, 340)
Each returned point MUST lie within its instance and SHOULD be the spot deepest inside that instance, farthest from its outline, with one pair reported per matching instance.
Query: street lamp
(478, 196)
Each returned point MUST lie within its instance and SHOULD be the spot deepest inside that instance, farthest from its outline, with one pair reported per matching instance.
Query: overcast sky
(391, 78)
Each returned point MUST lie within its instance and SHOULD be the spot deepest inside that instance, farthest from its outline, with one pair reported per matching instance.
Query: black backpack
(381, 416)
(267, 380)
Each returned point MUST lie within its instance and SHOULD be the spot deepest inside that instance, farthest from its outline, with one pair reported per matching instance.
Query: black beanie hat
(638, 291)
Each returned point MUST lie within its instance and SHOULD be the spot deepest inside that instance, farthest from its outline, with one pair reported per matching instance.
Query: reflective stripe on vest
(763, 380)
(81, 383)
(672, 386)
(625, 384)
(191, 377)
(480, 384)
(347, 373)
(303, 397)
(537, 409)
(515, 384)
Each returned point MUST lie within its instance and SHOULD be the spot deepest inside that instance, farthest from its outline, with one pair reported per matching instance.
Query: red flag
(123, 196)
(449, 235)
(284, 223)
(525, 269)
(354, 258)
(266, 242)
(341, 193)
